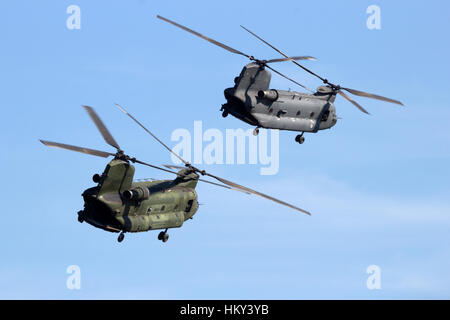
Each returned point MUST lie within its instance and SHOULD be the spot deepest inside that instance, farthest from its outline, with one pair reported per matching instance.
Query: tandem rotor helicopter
(119, 204)
(251, 100)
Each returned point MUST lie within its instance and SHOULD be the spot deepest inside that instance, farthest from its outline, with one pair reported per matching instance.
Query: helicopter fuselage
(251, 101)
(117, 204)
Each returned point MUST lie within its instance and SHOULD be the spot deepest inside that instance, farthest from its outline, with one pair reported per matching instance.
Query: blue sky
(377, 185)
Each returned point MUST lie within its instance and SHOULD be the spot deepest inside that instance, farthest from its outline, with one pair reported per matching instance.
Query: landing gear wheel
(121, 237)
(163, 236)
(256, 131)
(300, 138)
(225, 114)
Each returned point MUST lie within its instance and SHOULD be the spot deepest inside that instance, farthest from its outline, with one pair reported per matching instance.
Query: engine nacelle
(271, 95)
(139, 193)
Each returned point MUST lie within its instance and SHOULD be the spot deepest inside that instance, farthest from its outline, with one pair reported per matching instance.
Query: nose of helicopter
(97, 211)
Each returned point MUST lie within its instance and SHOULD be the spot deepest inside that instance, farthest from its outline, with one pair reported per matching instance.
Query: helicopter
(119, 204)
(252, 101)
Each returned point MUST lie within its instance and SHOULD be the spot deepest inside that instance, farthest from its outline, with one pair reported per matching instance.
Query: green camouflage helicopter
(119, 204)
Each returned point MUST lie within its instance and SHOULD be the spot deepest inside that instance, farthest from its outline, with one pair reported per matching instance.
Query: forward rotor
(252, 58)
(107, 136)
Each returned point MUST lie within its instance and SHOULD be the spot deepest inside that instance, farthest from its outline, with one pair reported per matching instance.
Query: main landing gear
(163, 236)
(256, 131)
(300, 138)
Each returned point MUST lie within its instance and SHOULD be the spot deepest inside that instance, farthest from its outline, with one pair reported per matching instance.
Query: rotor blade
(101, 127)
(153, 166)
(353, 102)
(171, 166)
(223, 186)
(298, 64)
(371, 95)
(290, 58)
(286, 77)
(149, 132)
(237, 186)
(217, 43)
(77, 149)
(353, 91)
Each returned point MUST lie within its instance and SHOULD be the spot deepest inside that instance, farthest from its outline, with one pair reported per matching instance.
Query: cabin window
(298, 113)
(311, 115)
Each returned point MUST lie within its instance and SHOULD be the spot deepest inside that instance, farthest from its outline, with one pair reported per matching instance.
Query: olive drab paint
(164, 203)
